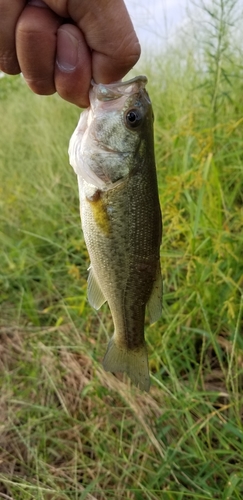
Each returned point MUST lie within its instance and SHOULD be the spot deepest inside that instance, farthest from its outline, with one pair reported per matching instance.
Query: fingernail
(67, 51)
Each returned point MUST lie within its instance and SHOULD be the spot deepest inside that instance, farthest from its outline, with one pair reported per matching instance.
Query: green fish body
(112, 152)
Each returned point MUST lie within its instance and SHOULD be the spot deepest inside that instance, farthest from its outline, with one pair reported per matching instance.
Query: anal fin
(96, 297)
(154, 303)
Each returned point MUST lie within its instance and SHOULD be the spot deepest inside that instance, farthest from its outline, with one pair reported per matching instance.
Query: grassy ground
(68, 430)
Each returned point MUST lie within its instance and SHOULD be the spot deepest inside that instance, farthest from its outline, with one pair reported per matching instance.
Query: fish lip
(119, 83)
(115, 90)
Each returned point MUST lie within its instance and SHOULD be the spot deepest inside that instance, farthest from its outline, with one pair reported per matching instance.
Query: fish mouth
(140, 78)
(111, 91)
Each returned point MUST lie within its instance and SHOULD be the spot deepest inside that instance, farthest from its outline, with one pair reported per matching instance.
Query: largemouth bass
(112, 153)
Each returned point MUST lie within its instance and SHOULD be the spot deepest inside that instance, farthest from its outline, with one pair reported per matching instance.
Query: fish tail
(133, 362)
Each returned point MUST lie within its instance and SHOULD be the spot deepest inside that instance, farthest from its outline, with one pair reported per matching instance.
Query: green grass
(68, 430)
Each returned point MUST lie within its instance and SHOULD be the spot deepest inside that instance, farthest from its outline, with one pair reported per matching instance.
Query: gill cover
(107, 133)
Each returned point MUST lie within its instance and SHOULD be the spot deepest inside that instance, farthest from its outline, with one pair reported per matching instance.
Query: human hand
(60, 46)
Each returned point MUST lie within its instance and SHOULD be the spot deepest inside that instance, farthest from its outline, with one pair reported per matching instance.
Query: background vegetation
(68, 430)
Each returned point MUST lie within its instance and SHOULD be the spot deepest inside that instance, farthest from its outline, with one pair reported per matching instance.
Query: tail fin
(134, 363)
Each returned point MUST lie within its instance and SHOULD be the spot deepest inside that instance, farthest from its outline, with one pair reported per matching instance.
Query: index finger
(10, 12)
(110, 34)
(108, 31)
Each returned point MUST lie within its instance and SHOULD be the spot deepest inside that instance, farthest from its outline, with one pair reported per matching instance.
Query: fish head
(112, 132)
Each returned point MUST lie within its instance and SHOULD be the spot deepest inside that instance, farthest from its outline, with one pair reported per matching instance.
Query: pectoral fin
(95, 295)
(154, 303)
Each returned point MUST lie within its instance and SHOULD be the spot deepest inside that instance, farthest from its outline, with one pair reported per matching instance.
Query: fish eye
(133, 118)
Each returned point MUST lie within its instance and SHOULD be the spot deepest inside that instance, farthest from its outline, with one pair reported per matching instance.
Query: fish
(112, 153)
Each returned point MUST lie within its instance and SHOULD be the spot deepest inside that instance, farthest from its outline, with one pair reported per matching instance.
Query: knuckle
(9, 64)
(41, 86)
(74, 87)
(129, 52)
(78, 98)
